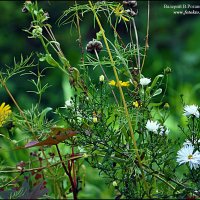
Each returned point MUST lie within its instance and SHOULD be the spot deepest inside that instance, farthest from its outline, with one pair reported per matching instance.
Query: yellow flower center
(190, 157)
(119, 11)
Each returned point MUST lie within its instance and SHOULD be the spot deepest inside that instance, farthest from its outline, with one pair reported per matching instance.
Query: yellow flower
(4, 113)
(137, 104)
(119, 11)
(123, 84)
(113, 83)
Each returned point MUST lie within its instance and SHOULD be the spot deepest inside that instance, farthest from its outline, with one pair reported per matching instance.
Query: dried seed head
(130, 3)
(131, 7)
(135, 71)
(93, 46)
(131, 12)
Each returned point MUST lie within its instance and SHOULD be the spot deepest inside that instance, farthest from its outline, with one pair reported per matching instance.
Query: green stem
(123, 99)
(44, 45)
(79, 35)
(147, 36)
(47, 51)
(137, 44)
(106, 77)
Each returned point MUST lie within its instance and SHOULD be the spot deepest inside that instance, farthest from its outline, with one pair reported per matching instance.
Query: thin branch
(40, 168)
(74, 190)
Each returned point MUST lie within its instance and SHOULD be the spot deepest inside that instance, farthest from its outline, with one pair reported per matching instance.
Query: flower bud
(94, 119)
(101, 78)
(167, 70)
(145, 81)
(114, 183)
(37, 31)
(166, 106)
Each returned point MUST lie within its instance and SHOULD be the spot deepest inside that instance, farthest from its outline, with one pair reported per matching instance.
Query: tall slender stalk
(79, 36)
(137, 45)
(147, 36)
(123, 99)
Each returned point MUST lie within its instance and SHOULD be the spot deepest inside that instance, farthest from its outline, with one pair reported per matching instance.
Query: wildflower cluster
(189, 153)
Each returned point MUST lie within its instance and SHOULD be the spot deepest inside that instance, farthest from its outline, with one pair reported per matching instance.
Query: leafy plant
(116, 122)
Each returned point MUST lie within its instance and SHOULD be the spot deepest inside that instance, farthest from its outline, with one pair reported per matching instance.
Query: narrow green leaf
(154, 82)
(157, 92)
(155, 104)
(43, 114)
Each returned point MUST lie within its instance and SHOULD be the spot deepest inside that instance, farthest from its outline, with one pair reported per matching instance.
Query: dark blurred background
(174, 41)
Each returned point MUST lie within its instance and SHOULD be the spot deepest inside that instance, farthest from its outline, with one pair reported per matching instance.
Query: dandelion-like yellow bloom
(119, 11)
(123, 84)
(5, 111)
(136, 104)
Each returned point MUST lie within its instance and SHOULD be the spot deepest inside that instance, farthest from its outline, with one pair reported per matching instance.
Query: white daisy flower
(145, 81)
(191, 110)
(152, 126)
(186, 154)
